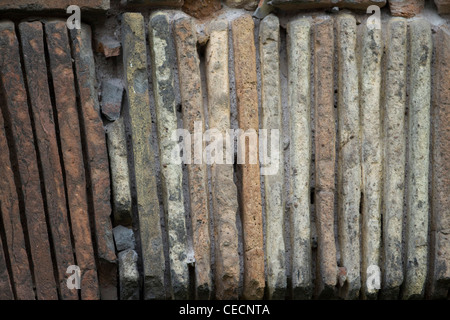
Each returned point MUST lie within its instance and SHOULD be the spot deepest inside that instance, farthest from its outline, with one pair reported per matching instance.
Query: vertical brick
(6, 292)
(192, 107)
(247, 106)
(135, 70)
(269, 44)
(16, 111)
(12, 226)
(417, 201)
(349, 168)
(371, 156)
(70, 135)
(325, 143)
(394, 157)
(440, 210)
(224, 191)
(162, 54)
(32, 35)
(97, 160)
(299, 88)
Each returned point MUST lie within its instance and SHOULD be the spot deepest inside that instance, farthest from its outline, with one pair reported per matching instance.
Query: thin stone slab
(325, 144)
(247, 106)
(269, 44)
(15, 110)
(135, 70)
(193, 112)
(32, 35)
(224, 191)
(394, 157)
(349, 166)
(371, 155)
(71, 147)
(298, 37)
(417, 200)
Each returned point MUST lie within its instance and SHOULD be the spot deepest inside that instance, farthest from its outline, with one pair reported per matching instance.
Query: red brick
(406, 8)
(69, 130)
(17, 113)
(201, 8)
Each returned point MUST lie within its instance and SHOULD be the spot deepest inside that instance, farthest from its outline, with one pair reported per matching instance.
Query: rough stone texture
(394, 157)
(128, 275)
(247, 107)
(69, 130)
(224, 191)
(155, 3)
(39, 5)
(135, 70)
(124, 238)
(32, 35)
(443, 6)
(298, 48)
(6, 292)
(371, 153)
(246, 4)
(112, 93)
(349, 169)
(162, 54)
(406, 8)
(201, 8)
(313, 4)
(193, 111)
(421, 48)
(269, 42)
(109, 47)
(15, 110)
(325, 144)
(121, 192)
(12, 227)
(440, 226)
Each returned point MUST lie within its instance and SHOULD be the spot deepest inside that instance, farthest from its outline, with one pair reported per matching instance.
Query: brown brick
(247, 100)
(69, 128)
(406, 8)
(9, 208)
(6, 292)
(16, 112)
(201, 8)
(34, 59)
(443, 6)
(97, 160)
(440, 225)
(155, 3)
(325, 142)
(314, 4)
(39, 5)
(192, 104)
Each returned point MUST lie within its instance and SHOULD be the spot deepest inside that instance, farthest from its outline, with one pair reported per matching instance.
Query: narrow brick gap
(58, 139)
(6, 253)
(39, 163)
(87, 167)
(15, 168)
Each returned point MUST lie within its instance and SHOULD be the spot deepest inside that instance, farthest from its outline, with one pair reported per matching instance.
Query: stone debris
(124, 238)
(112, 94)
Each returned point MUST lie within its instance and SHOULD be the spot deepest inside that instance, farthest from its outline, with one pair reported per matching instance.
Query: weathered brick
(39, 5)
(192, 108)
(349, 169)
(15, 110)
(269, 43)
(299, 88)
(406, 8)
(224, 191)
(128, 275)
(12, 227)
(314, 4)
(32, 35)
(6, 292)
(70, 135)
(417, 199)
(97, 160)
(443, 6)
(112, 93)
(135, 70)
(247, 106)
(155, 3)
(108, 46)
(246, 4)
(440, 214)
(325, 143)
(201, 8)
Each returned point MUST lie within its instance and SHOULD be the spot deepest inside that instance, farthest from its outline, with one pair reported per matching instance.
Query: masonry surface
(359, 207)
